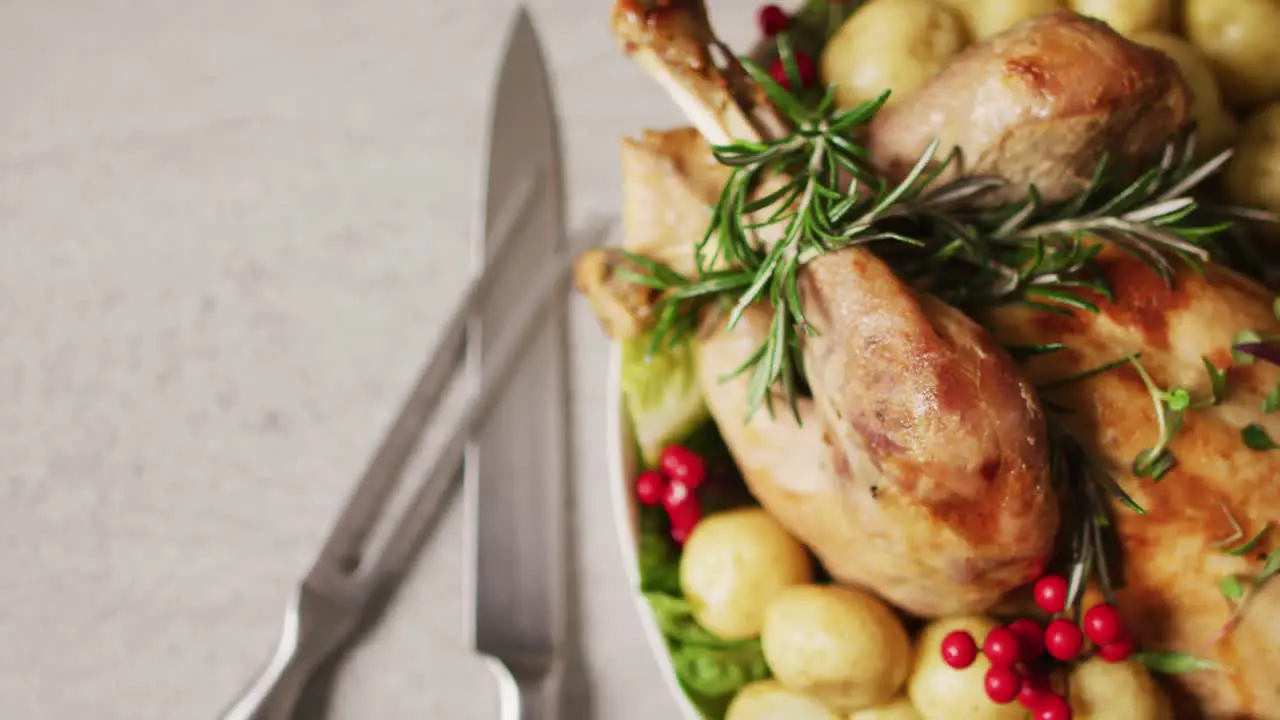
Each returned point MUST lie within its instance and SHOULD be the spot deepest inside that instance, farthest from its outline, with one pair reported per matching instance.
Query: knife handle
(528, 693)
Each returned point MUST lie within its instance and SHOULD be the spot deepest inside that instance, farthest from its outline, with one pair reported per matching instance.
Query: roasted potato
(985, 18)
(769, 700)
(894, 45)
(733, 564)
(939, 691)
(840, 645)
(1252, 178)
(1216, 128)
(1128, 16)
(1101, 690)
(899, 708)
(1241, 39)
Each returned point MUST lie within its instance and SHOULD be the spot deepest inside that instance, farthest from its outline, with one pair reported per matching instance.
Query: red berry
(1103, 625)
(1063, 639)
(680, 534)
(676, 495)
(1118, 650)
(959, 649)
(1030, 638)
(1051, 593)
(773, 20)
(1053, 707)
(1002, 647)
(650, 487)
(1035, 688)
(804, 64)
(1002, 684)
(681, 464)
(684, 514)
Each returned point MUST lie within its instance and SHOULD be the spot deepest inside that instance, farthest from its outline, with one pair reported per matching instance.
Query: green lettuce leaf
(662, 394)
(710, 669)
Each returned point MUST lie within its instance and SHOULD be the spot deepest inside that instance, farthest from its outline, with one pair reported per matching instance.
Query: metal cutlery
(516, 468)
(512, 342)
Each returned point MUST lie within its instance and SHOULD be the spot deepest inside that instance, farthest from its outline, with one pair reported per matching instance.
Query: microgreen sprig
(1240, 592)
(1229, 544)
(1170, 405)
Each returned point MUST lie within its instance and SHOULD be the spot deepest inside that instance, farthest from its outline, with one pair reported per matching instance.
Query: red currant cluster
(773, 22)
(680, 472)
(1019, 671)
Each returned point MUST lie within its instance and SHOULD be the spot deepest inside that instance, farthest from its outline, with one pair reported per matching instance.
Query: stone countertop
(230, 231)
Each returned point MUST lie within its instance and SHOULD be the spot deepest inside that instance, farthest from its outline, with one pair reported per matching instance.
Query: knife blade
(516, 467)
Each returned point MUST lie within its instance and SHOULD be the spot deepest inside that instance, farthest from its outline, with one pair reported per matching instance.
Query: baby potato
(939, 691)
(1128, 16)
(733, 564)
(1252, 177)
(1216, 128)
(895, 45)
(897, 709)
(1101, 690)
(1239, 38)
(840, 645)
(769, 700)
(985, 18)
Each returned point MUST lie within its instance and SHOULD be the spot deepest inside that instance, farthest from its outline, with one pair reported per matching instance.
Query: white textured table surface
(228, 233)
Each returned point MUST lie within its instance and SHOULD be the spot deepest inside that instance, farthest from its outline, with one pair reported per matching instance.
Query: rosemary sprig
(1079, 478)
(810, 215)
(1044, 254)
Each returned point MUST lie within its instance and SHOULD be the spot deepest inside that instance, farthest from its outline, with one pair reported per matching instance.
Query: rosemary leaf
(1160, 210)
(1174, 663)
(1198, 176)
(1023, 352)
(655, 269)
(1085, 375)
(1063, 298)
(778, 95)
(1119, 493)
(638, 278)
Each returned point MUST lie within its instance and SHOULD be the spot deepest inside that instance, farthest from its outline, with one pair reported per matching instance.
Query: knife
(516, 469)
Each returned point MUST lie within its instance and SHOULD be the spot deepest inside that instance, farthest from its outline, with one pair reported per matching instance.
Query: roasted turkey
(919, 468)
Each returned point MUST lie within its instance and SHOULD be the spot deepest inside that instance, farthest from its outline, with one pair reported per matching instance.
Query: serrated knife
(516, 468)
